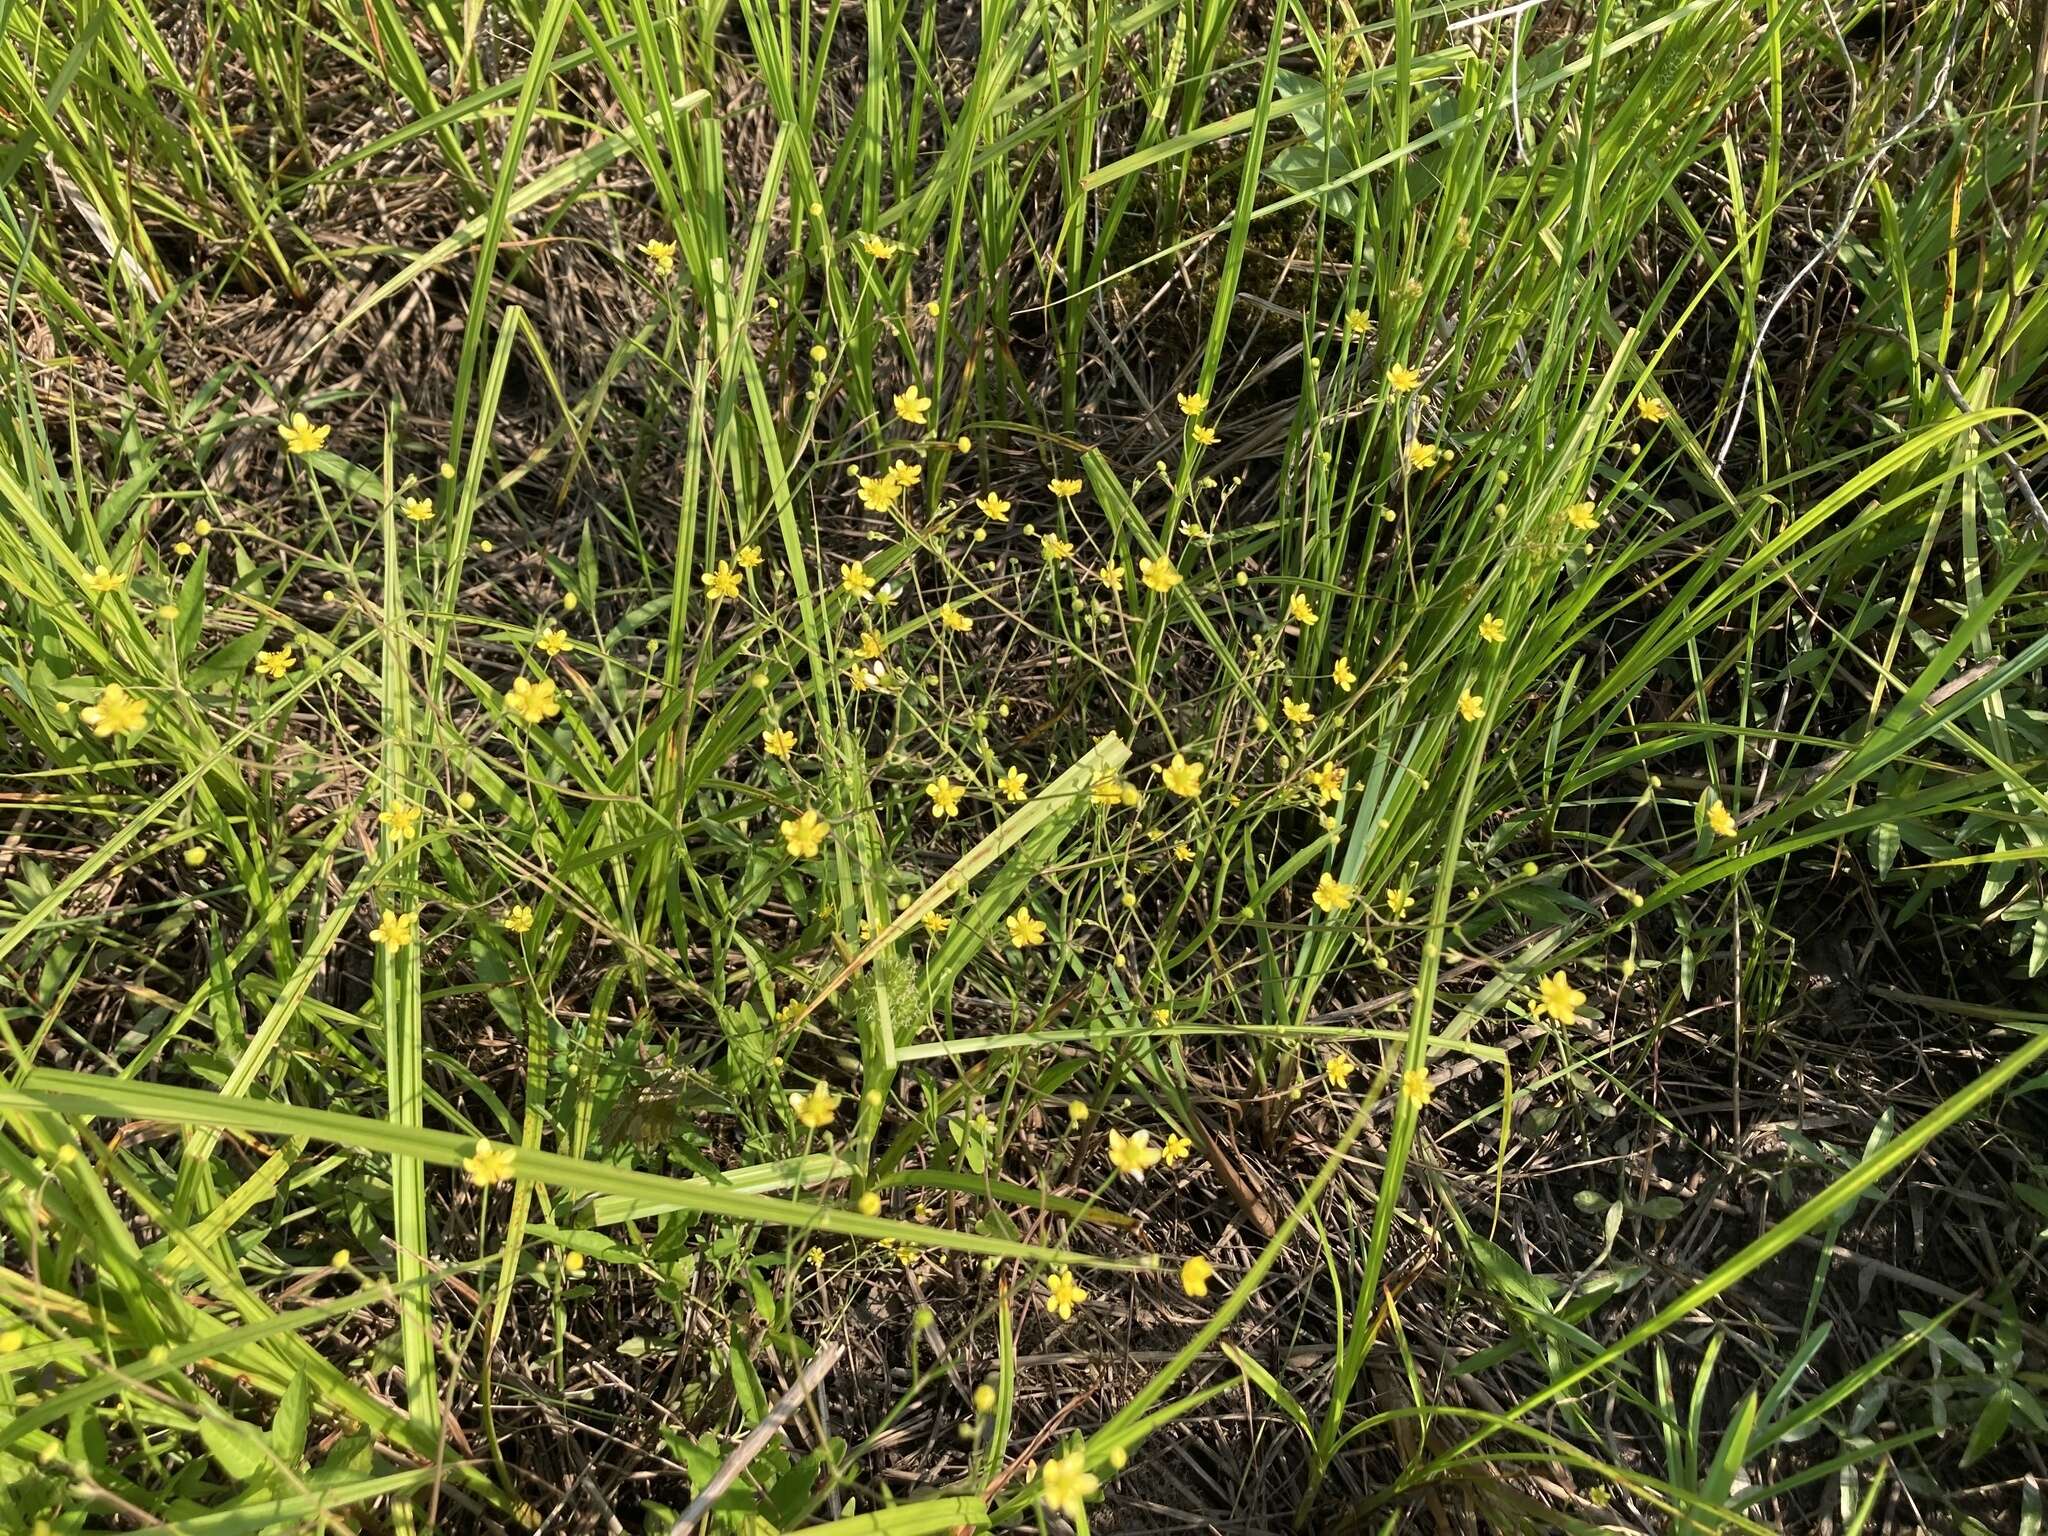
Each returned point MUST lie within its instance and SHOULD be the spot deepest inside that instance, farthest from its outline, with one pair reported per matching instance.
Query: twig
(743, 1454)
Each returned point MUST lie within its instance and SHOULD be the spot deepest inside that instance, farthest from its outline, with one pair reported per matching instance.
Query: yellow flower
(101, 581)
(877, 247)
(1012, 784)
(553, 640)
(661, 255)
(1328, 782)
(274, 664)
(1333, 895)
(1192, 405)
(854, 578)
(1652, 411)
(955, 620)
(1025, 930)
(1183, 853)
(1064, 488)
(806, 835)
(1107, 791)
(904, 473)
(1301, 610)
(1112, 577)
(878, 493)
(1342, 675)
(936, 924)
(1053, 547)
(1159, 574)
(1556, 996)
(533, 702)
(1064, 1293)
(1338, 1069)
(1134, 1153)
(301, 436)
(1415, 1088)
(1492, 630)
(1206, 436)
(1176, 1149)
(1422, 455)
(994, 508)
(118, 712)
(418, 508)
(402, 819)
(1398, 901)
(1582, 516)
(913, 406)
(1066, 1484)
(1719, 818)
(1182, 777)
(1195, 1275)
(945, 797)
(777, 741)
(518, 920)
(1358, 323)
(1403, 380)
(872, 646)
(395, 930)
(816, 1108)
(722, 582)
(1470, 705)
(489, 1165)
(1296, 711)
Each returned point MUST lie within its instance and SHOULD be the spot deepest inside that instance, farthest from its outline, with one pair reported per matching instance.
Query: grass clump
(909, 769)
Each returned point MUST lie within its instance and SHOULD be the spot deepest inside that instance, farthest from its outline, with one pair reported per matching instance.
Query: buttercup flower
(1024, 929)
(1182, 777)
(1492, 630)
(274, 664)
(1358, 323)
(534, 702)
(1557, 997)
(1415, 1088)
(1064, 488)
(401, 819)
(1328, 782)
(1403, 380)
(1398, 902)
(778, 742)
(1133, 1154)
(722, 582)
(1342, 675)
(661, 255)
(913, 406)
(1301, 610)
(519, 919)
(118, 713)
(806, 835)
(994, 508)
(1206, 436)
(1012, 784)
(395, 930)
(1332, 894)
(878, 248)
(814, 1110)
(1066, 1484)
(553, 640)
(1582, 516)
(1053, 547)
(854, 578)
(1422, 456)
(100, 581)
(418, 508)
(488, 1165)
(1470, 705)
(301, 436)
(1297, 712)
(1652, 411)
(1192, 405)
(1064, 1293)
(945, 797)
(1338, 1069)
(1158, 574)
(955, 620)
(749, 556)
(1175, 1149)
(1112, 577)
(1721, 820)
(1195, 1275)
